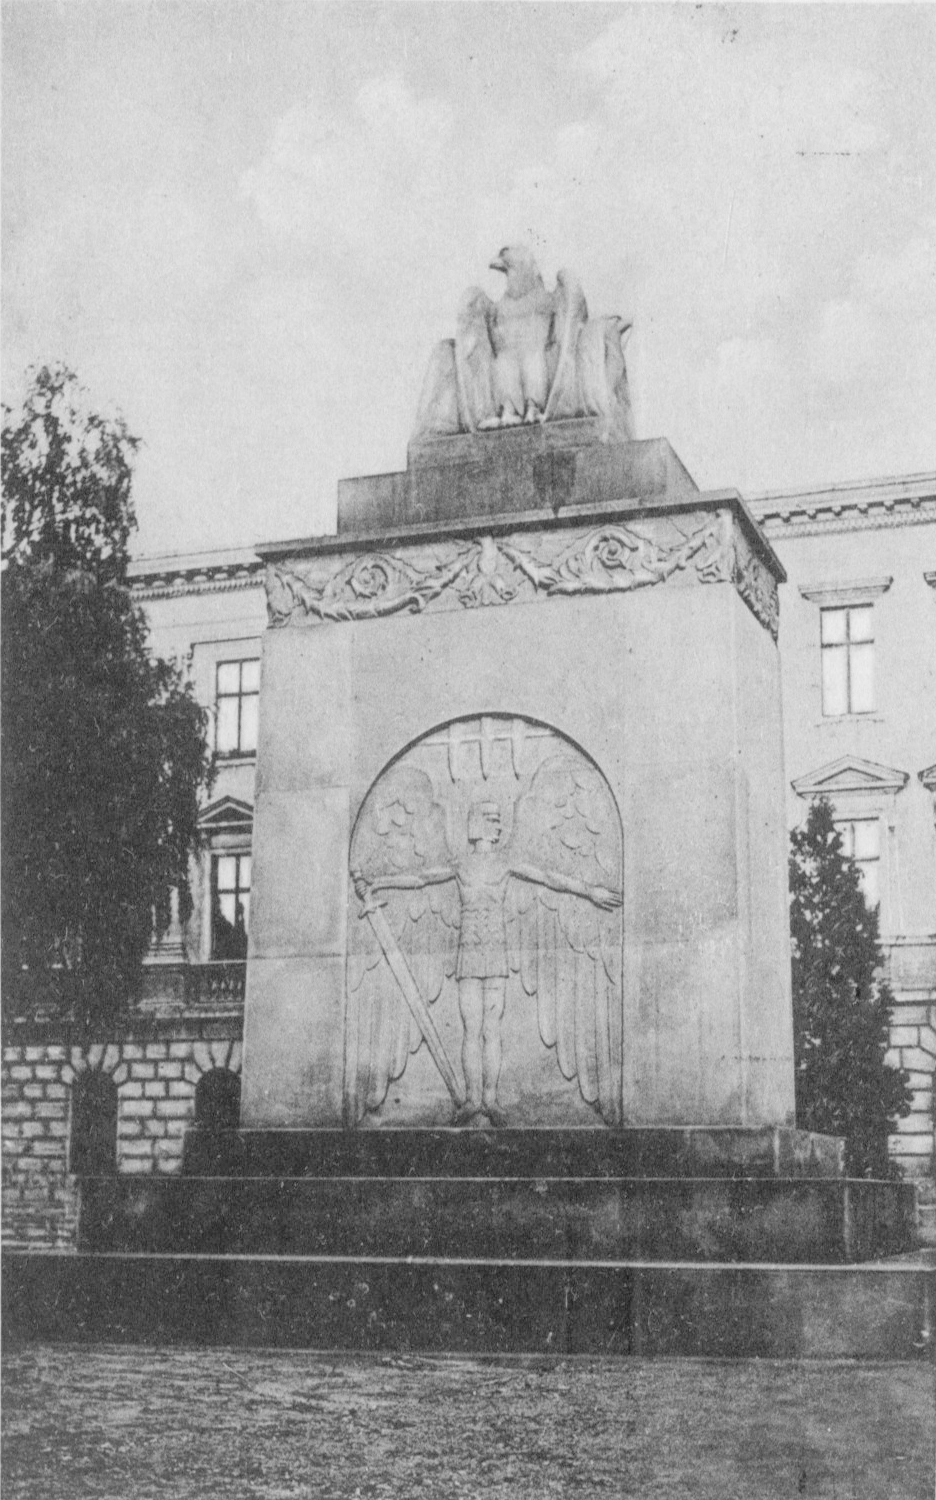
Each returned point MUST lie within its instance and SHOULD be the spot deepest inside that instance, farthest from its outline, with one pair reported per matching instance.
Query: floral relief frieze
(490, 570)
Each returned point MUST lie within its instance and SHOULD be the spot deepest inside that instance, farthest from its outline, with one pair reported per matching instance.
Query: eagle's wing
(602, 376)
(567, 951)
(400, 830)
(474, 359)
(571, 317)
(437, 413)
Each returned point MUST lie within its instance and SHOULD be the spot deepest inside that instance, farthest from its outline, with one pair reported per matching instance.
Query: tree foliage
(104, 750)
(841, 1004)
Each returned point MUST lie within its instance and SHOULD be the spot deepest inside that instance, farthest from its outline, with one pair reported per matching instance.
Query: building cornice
(178, 574)
(857, 506)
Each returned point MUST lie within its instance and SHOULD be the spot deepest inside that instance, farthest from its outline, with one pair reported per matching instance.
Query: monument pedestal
(626, 644)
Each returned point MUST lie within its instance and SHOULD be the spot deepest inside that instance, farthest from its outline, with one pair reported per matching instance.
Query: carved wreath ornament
(493, 570)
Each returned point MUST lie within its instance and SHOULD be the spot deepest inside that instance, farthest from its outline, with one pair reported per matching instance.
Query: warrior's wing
(567, 951)
(400, 830)
(474, 359)
(571, 317)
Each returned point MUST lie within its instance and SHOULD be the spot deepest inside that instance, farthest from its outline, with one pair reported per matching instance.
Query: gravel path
(130, 1423)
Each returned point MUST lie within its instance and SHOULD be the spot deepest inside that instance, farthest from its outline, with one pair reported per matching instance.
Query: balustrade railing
(218, 985)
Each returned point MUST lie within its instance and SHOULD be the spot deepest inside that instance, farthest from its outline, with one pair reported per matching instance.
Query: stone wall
(913, 1046)
(155, 1078)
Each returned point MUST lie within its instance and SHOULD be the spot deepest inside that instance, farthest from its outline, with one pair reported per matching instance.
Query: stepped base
(875, 1311)
(633, 1218)
(632, 1241)
(676, 1151)
(654, 1194)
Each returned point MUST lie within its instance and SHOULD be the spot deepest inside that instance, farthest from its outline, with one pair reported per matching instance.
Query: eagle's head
(521, 270)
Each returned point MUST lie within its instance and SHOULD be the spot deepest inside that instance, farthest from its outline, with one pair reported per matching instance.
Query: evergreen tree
(104, 748)
(841, 1005)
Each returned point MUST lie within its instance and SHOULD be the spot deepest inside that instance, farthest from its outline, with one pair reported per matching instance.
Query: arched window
(93, 1143)
(217, 1100)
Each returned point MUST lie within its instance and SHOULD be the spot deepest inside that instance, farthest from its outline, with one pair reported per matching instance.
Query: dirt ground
(130, 1423)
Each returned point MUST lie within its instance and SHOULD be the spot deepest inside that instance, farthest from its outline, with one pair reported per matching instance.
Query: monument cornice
(469, 527)
(521, 558)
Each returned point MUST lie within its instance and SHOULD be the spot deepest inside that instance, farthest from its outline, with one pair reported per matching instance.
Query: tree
(841, 1004)
(104, 747)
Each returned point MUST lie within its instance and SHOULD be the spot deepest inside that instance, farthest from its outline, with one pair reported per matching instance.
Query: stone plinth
(626, 643)
(542, 467)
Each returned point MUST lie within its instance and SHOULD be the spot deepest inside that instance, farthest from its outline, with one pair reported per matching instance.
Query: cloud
(871, 358)
(353, 185)
(843, 346)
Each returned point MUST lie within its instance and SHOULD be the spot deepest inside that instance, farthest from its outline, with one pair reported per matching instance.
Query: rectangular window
(861, 839)
(847, 660)
(236, 699)
(230, 905)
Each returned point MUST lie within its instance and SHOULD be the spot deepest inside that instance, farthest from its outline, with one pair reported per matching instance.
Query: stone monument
(517, 1047)
(519, 843)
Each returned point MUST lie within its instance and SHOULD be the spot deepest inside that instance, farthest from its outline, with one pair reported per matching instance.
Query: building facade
(73, 1107)
(858, 661)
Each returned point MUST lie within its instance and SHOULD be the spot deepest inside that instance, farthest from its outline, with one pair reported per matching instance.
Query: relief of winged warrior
(532, 356)
(535, 915)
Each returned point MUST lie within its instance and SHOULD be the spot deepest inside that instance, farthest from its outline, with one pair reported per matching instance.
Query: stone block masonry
(913, 1047)
(155, 1082)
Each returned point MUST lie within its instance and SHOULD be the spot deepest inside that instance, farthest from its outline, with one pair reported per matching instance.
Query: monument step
(707, 1219)
(875, 1311)
(634, 1152)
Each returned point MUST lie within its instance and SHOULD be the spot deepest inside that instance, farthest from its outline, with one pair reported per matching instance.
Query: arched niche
(217, 1100)
(486, 867)
(92, 1147)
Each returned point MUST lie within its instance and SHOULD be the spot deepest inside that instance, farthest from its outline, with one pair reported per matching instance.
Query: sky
(245, 226)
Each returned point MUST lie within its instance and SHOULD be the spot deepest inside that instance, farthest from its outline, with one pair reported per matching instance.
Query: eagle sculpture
(533, 356)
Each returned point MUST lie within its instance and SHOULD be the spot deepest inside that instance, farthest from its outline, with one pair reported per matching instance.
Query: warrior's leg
(471, 1005)
(495, 991)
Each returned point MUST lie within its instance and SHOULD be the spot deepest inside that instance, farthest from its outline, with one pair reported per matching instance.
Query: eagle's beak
(497, 264)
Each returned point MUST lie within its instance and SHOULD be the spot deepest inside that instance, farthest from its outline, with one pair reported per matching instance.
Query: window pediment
(850, 774)
(227, 813)
(859, 591)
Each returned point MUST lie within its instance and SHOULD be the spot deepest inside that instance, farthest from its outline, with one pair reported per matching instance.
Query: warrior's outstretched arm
(599, 895)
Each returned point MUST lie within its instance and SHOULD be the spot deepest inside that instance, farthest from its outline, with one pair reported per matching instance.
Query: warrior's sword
(373, 911)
